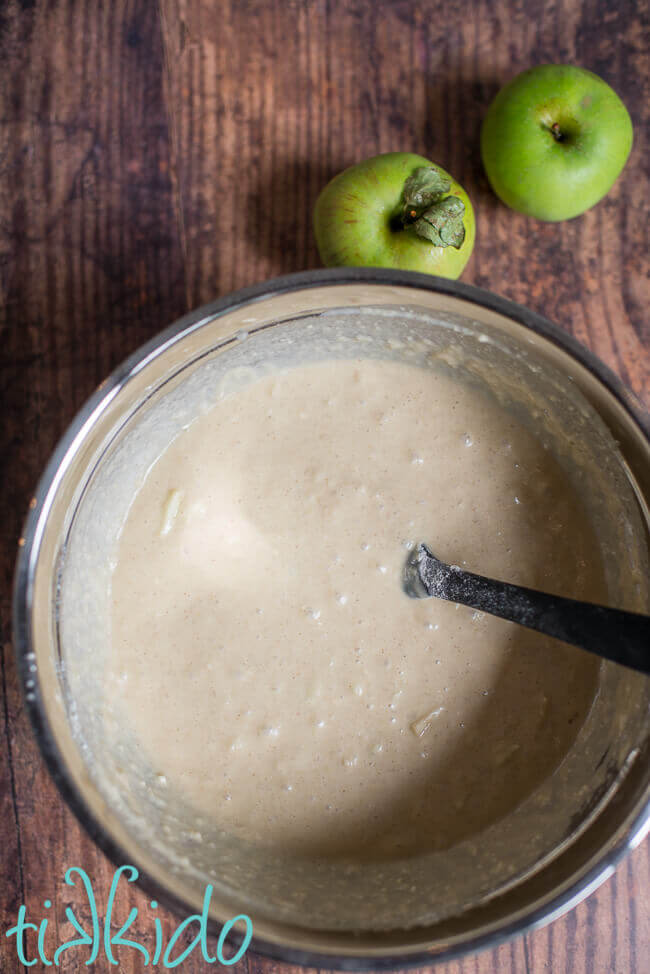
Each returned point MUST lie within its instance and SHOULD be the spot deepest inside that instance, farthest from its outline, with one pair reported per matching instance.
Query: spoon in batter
(623, 637)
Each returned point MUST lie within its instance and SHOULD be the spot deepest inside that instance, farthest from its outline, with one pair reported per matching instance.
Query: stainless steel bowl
(523, 872)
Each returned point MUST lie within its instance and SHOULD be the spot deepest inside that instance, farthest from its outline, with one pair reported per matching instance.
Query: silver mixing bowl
(523, 871)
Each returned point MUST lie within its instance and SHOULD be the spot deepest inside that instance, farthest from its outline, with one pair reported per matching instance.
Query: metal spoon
(623, 637)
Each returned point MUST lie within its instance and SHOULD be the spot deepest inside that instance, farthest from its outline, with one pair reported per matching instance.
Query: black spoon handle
(623, 637)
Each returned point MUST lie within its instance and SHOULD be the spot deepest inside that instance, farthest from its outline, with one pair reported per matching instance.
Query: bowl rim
(29, 546)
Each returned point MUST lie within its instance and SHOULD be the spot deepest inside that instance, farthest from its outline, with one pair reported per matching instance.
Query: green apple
(554, 141)
(395, 210)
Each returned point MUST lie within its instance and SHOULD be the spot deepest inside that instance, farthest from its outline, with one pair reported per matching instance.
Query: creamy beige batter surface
(267, 660)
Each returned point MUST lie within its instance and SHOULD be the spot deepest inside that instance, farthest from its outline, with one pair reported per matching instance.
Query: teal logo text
(98, 936)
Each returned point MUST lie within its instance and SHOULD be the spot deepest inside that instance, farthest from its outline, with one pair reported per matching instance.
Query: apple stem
(556, 132)
(396, 222)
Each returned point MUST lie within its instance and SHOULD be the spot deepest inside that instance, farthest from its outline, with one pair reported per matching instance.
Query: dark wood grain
(155, 155)
(90, 266)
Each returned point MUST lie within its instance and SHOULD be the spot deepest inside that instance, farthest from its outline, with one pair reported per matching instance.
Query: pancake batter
(270, 665)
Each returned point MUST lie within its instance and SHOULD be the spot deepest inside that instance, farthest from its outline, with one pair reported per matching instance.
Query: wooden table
(154, 155)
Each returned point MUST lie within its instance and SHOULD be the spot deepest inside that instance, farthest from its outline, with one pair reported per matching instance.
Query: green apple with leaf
(554, 141)
(395, 210)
